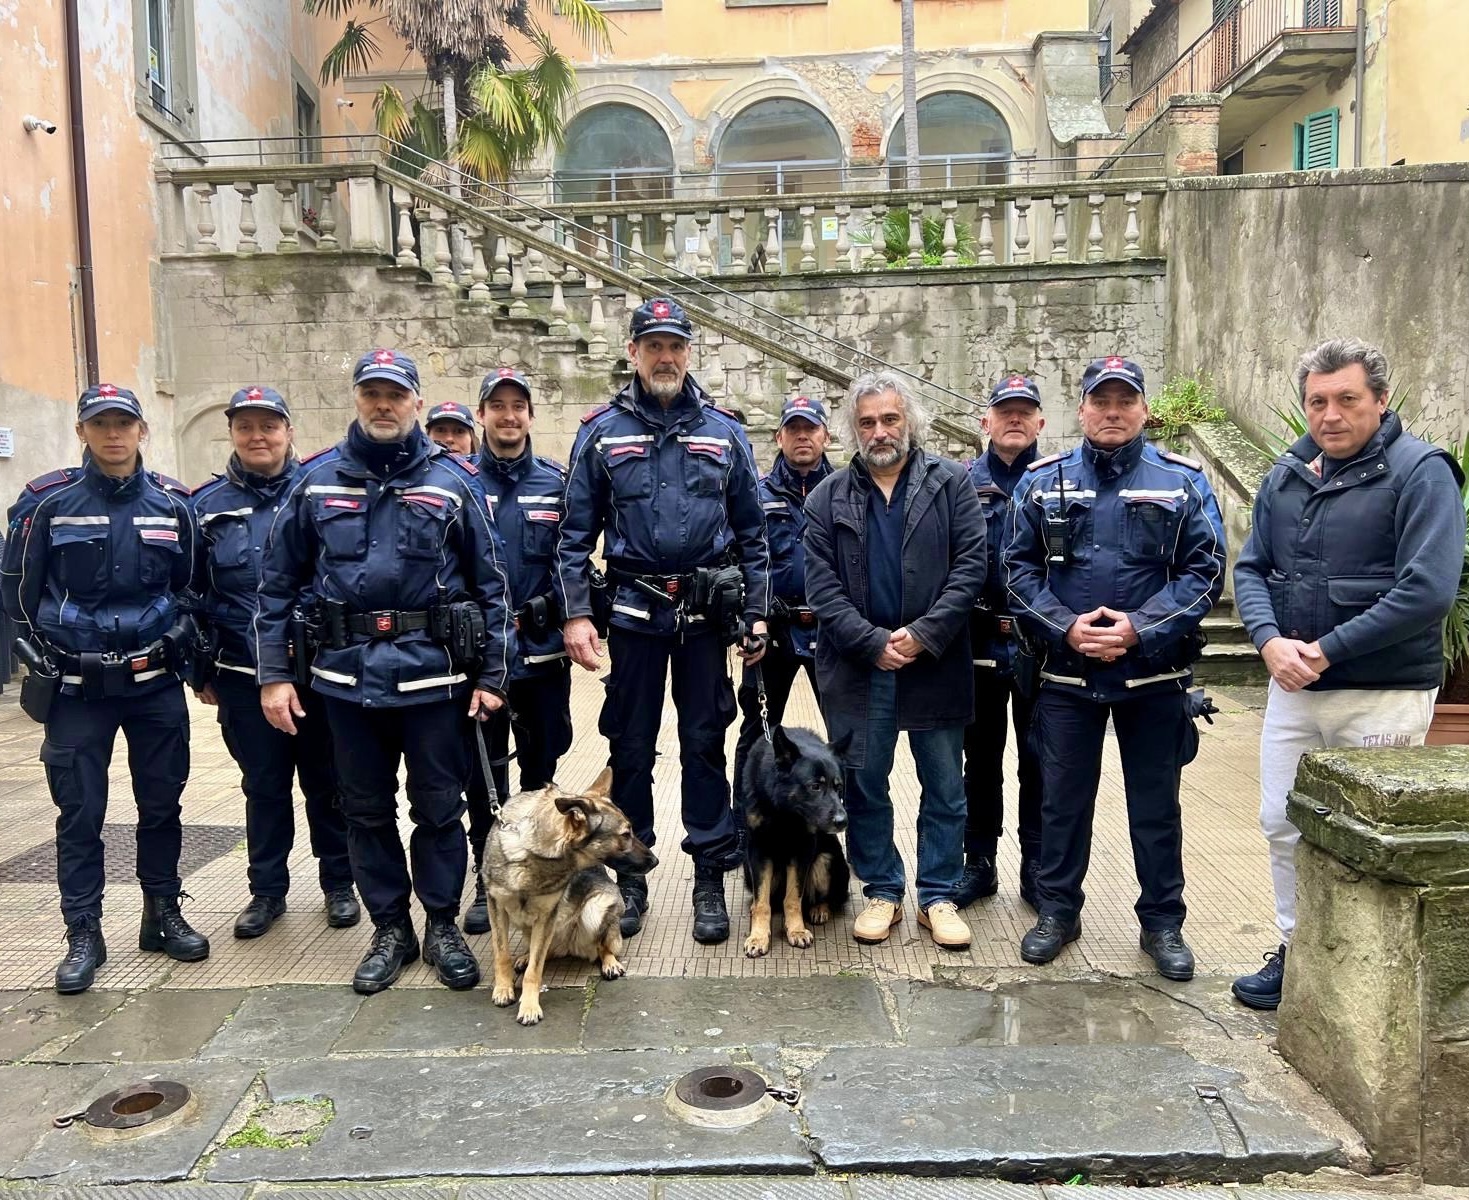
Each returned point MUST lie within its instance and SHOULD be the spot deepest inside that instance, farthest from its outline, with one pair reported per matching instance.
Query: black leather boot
(394, 946)
(634, 889)
(342, 909)
(711, 917)
(258, 916)
(978, 880)
(477, 919)
(445, 951)
(85, 952)
(1047, 939)
(1029, 869)
(1167, 948)
(165, 929)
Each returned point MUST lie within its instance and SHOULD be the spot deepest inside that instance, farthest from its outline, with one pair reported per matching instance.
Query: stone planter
(1376, 1005)
(1450, 725)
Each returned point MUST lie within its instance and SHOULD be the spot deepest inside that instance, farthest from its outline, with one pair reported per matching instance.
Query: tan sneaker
(942, 920)
(875, 922)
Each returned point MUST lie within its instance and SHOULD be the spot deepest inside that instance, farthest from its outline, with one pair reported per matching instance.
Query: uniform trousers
(268, 759)
(369, 744)
(77, 752)
(1068, 732)
(984, 767)
(1296, 722)
(703, 698)
(539, 715)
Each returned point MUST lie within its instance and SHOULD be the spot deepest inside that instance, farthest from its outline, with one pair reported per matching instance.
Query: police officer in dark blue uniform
(393, 537)
(1116, 553)
(526, 493)
(233, 514)
(670, 479)
(451, 425)
(802, 437)
(1013, 422)
(96, 560)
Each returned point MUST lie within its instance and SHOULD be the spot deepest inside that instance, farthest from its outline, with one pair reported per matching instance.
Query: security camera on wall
(38, 124)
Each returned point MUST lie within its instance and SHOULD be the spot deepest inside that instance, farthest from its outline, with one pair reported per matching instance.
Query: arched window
(962, 140)
(614, 152)
(778, 145)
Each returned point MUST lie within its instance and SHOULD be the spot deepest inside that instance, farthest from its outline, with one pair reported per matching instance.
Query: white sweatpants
(1296, 722)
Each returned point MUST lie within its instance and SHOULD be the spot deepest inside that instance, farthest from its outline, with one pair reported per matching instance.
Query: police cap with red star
(1100, 370)
(503, 375)
(390, 365)
(1015, 387)
(660, 315)
(107, 397)
(803, 408)
(264, 398)
(450, 410)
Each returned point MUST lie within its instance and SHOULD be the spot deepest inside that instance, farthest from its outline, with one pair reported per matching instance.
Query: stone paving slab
(38, 1018)
(157, 1026)
(443, 1020)
(531, 1114)
(138, 1191)
(635, 1014)
(411, 1192)
(167, 1154)
(753, 1188)
(284, 1023)
(869, 1188)
(627, 1187)
(1026, 1113)
(35, 1094)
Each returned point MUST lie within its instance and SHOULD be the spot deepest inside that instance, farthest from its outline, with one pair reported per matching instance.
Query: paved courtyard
(1230, 915)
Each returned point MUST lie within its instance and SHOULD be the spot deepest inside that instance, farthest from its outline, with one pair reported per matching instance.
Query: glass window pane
(611, 140)
(952, 124)
(779, 130)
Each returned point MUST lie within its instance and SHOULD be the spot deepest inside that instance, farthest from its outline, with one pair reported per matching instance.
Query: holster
(601, 591)
(303, 632)
(42, 680)
(199, 669)
(1027, 666)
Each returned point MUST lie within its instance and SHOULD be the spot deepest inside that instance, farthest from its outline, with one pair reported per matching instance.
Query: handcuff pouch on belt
(539, 615)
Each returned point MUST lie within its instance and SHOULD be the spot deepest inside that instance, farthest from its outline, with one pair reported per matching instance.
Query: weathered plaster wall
(1426, 48)
(299, 323)
(1262, 267)
(1271, 147)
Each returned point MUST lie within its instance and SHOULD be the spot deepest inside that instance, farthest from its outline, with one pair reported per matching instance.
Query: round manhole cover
(720, 1097)
(137, 1106)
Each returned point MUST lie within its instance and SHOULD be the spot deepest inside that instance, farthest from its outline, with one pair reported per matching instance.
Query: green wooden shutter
(1316, 141)
(1322, 14)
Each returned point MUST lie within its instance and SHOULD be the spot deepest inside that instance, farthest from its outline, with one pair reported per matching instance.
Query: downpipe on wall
(85, 279)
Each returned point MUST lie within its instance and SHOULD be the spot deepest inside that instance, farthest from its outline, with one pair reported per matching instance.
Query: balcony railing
(1230, 45)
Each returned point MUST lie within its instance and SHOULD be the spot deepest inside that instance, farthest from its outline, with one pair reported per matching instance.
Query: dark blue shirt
(885, 553)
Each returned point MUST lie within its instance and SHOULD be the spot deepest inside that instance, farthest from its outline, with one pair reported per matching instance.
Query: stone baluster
(1060, 240)
(479, 273)
(670, 247)
(985, 256)
(500, 275)
(208, 243)
(602, 254)
(1131, 233)
(442, 269)
(173, 212)
(571, 274)
(403, 202)
(557, 326)
(915, 233)
(739, 263)
(1094, 227)
(426, 238)
(518, 306)
(597, 323)
(535, 261)
(247, 243)
(290, 240)
(879, 237)
(773, 255)
(1022, 230)
(326, 216)
(808, 237)
(704, 256)
(951, 235)
(843, 248)
(636, 267)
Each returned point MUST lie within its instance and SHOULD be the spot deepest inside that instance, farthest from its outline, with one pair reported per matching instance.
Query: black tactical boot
(978, 880)
(477, 919)
(634, 889)
(711, 917)
(394, 946)
(342, 909)
(1167, 948)
(445, 951)
(1046, 940)
(1029, 869)
(258, 916)
(85, 952)
(165, 929)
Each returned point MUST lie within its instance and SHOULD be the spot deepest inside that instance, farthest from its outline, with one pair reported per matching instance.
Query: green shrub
(1184, 400)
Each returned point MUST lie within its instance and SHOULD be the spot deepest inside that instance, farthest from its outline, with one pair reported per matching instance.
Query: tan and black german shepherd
(544, 870)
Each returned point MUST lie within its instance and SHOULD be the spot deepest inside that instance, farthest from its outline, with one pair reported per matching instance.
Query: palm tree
(514, 109)
(910, 98)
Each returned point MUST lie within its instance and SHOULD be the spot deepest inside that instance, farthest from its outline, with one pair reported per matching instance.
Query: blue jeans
(939, 756)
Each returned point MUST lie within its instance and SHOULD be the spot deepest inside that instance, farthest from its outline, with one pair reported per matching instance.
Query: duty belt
(795, 611)
(669, 588)
(94, 670)
(386, 623)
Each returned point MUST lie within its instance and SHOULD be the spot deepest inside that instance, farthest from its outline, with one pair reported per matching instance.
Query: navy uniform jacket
(995, 482)
(527, 496)
(673, 491)
(783, 495)
(96, 563)
(1365, 560)
(402, 542)
(233, 513)
(1146, 539)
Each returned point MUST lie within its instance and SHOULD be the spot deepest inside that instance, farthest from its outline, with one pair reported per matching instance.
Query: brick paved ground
(1228, 892)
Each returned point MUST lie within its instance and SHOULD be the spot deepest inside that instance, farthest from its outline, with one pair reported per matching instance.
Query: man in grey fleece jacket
(1351, 565)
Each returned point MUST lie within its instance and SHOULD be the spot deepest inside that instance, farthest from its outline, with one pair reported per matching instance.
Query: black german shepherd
(793, 789)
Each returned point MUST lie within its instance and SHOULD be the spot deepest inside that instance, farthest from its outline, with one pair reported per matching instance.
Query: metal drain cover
(720, 1097)
(137, 1106)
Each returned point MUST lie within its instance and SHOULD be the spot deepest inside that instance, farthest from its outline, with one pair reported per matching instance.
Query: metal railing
(1228, 46)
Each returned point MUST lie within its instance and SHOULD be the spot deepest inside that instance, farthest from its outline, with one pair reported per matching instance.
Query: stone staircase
(1230, 658)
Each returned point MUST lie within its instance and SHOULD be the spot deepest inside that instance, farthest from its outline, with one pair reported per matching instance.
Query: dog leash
(497, 801)
(760, 696)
